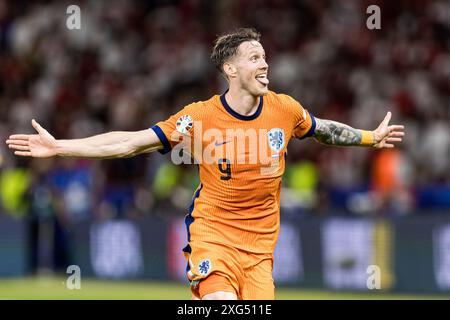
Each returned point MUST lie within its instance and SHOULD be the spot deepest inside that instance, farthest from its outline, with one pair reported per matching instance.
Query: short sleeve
(304, 122)
(177, 127)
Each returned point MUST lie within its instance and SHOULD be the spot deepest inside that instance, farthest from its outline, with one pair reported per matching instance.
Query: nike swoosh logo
(217, 144)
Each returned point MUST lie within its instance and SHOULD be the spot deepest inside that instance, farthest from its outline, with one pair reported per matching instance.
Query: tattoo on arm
(336, 133)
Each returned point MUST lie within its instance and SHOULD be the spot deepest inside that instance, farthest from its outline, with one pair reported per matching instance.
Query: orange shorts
(214, 267)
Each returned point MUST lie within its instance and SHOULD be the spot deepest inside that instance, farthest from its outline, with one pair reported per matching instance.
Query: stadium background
(133, 63)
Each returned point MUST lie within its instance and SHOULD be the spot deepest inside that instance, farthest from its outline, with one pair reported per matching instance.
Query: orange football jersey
(241, 161)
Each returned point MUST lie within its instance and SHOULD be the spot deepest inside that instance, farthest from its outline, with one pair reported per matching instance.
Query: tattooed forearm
(336, 133)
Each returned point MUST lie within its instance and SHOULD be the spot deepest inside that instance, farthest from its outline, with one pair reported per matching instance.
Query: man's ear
(229, 69)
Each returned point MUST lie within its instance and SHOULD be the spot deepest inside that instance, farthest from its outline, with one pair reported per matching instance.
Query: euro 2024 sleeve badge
(184, 124)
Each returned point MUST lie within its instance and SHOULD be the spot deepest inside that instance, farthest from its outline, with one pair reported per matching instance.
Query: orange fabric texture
(237, 204)
(248, 275)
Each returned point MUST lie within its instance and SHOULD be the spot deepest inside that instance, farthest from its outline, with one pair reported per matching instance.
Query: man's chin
(265, 90)
(262, 91)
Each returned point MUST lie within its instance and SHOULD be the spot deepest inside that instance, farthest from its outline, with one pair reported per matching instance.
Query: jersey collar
(238, 115)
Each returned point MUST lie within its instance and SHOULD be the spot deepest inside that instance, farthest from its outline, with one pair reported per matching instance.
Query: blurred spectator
(300, 191)
(15, 184)
(134, 63)
(390, 183)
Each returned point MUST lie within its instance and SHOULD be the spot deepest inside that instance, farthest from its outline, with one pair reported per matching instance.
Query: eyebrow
(252, 52)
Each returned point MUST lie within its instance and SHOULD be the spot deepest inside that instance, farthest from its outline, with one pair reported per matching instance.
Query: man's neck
(242, 102)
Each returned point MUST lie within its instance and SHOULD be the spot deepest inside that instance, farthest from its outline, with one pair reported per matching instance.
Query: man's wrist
(367, 138)
(60, 148)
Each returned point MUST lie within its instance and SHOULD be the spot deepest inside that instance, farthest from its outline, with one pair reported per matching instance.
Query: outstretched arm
(335, 133)
(119, 144)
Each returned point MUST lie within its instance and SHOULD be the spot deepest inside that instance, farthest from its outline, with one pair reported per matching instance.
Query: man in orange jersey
(239, 141)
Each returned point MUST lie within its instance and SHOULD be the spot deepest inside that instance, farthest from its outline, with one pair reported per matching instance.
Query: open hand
(386, 134)
(40, 145)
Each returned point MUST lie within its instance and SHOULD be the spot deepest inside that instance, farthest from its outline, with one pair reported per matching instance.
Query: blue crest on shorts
(276, 139)
(204, 267)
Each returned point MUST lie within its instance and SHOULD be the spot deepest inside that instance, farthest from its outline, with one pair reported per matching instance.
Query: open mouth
(262, 78)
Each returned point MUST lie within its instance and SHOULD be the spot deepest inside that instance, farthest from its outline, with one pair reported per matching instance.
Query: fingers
(396, 134)
(19, 147)
(396, 127)
(387, 118)
(20, 143)
(37, 126)
(394, 140)
(20, 137)
(23, 153)
(17, 142)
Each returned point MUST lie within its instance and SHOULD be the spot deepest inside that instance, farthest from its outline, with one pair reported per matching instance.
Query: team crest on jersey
(204, 267)
(184, 124)
(276, 139)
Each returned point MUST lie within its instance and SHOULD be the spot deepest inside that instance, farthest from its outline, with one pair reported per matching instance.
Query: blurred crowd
(133, 63)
